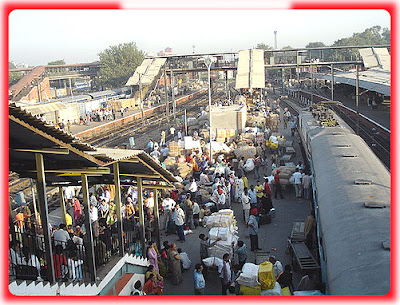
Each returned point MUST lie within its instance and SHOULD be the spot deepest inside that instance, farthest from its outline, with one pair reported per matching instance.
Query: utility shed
(228, 117)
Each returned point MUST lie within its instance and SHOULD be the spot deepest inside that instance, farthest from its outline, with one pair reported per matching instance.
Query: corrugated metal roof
(376, 58)
(376, 80)
(45, 108)
(149, 69)
(243, 70)
(250, 72)
(257, 76)
(28, 131)
(56, 132)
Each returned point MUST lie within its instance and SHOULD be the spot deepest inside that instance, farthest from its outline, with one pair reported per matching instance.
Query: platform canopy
(375, 79)
(66, 157)
(250, 71)
(146, 72)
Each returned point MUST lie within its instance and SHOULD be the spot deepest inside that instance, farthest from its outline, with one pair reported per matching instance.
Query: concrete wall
(229, 117)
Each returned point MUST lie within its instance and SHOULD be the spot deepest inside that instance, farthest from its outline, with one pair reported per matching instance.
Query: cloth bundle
(212, 261)
(249, 275)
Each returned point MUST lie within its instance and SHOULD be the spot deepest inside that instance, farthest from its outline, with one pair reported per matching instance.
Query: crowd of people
(181, 210)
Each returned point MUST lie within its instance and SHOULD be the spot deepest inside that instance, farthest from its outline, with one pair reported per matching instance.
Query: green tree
(56, 62)
(13, 78)
(119, 62)
(371, 36)
(11, 65)
(264, 46)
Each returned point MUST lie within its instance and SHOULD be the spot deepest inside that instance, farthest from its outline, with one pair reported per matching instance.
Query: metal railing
(71, 261)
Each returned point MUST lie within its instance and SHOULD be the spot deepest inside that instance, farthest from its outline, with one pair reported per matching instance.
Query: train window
(362, 182)
(375, 204)
(343, 145)
(349, 156)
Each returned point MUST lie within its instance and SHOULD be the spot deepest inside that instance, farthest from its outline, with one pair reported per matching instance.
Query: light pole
(208, 62)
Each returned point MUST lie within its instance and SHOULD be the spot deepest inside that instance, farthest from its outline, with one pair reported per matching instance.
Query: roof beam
(77, 171)
(152, 176)
(49, 150)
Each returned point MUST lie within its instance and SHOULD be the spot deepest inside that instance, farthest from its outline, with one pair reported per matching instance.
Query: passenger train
(351, 193)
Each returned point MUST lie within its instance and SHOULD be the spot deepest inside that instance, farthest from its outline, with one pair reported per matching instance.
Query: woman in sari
(77, 210)
(152, 255)
(174, 262)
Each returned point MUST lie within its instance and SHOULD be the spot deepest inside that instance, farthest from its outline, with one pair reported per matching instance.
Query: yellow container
(266, 276)
(250, 290)
(286, 291)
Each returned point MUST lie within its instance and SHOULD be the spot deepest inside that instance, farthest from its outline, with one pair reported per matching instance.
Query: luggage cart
(302, 258)
(261, 256)
(297, 233)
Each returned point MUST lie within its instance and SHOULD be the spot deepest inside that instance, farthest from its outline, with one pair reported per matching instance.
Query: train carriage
(351, 189)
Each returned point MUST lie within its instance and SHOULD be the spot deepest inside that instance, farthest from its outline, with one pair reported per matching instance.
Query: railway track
(152, 124)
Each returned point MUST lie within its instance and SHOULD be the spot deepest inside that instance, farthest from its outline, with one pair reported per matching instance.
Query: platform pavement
(271, 236)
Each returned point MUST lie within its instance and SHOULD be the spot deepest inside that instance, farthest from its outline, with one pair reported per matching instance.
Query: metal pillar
(117, 201)
(166, 95)
(298, 81)
(70, 87)
(62, 204)
(157, 218)
(88, 226)
(186, 126)
(226, 85)
(140, 96)
(173, 96)
(34, 202)
(312, 85)
(332, 82)
(283, 78)
(141, 216)
(11, 223)
(44, 215)
(357, 101)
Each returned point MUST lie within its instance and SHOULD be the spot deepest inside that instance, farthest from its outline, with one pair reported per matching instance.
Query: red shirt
(277, 179)
(174, 196)
(267, 189)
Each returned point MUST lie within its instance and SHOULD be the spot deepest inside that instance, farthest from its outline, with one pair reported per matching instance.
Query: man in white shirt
(156, 154)
(204, 179)
(94, 216)
(168, 204)
(186, 262)
(61, 236)
(297, 183)
(193, 187)
(149, 203)
(221, 199)
(276, 265)
(179, 221)
(225, 273)
(172, 130)
(246, 205)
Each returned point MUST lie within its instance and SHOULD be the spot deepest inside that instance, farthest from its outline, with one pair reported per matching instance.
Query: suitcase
(265, 219)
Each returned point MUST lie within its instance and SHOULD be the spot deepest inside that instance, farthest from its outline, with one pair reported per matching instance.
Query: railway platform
(272, 237)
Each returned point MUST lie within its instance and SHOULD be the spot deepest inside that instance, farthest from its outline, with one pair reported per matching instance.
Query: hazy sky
(77, 36)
